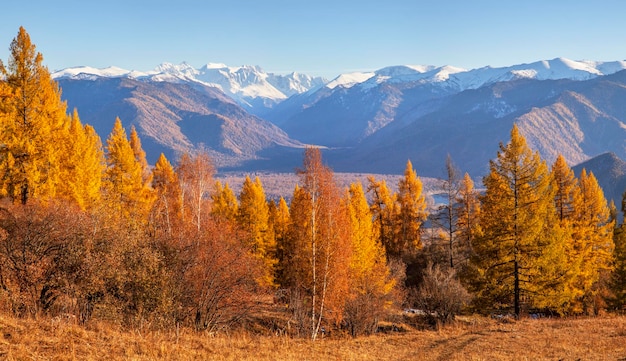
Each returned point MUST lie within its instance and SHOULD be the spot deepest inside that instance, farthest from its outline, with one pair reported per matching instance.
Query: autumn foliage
(90, 229)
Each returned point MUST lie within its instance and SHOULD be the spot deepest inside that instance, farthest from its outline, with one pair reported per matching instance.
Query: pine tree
(253, 219)
(33, 117)
(412, 213)
(519, 253)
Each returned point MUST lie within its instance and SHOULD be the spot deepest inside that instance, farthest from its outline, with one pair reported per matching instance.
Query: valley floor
(470, 338)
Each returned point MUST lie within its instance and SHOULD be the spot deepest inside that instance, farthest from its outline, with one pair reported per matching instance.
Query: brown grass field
(470, 338)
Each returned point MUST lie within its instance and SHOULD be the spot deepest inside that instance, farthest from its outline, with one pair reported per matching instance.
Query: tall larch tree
(253, 219)
(166, 211)
(384, 211)
(319, 247)
(140, 155)
(33, 120)
(565, 194)
(370, 280)
(468, 217)
(125, 191)
(225, 204)
(411, 214)
(520, 249)
(593, 240)
(618, 276)
(83, 165)
(278, 222)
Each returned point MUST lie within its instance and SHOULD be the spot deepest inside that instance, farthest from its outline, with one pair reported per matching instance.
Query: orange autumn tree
(33, 120)
(83, 165)
(195, 176)
(253, 219)
(384, 210)
(166, 211)
(278, 225)
(225, 204)
(125, 191)
(318, 251)
(593, 242)
(370, 280)
(411, 214)
(519, 255)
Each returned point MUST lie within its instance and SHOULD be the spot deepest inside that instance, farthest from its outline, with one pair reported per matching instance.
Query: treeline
(91, 230)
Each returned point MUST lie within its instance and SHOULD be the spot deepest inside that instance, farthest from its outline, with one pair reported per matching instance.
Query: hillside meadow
(469, 338)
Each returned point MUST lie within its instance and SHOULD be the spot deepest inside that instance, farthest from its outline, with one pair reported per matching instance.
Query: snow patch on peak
(83, 72)
(214, 66)
(348, 80)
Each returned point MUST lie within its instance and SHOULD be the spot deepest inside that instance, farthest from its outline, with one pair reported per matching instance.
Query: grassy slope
(469, 339)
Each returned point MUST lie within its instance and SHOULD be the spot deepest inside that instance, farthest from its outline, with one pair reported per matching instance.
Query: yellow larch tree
(593, 240)
(83, 166)
(618, 276)
(140, 155)
(519, 255)
(225, 204)
(33, 118)
(468, 218)
(253, 219)
(278, 222)
(124, 189)
(166, 211)
(411, 214)
(566, 193)
(384, 211)
(370, 280)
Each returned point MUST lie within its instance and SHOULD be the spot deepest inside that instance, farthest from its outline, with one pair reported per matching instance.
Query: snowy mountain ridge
(459, 79)
(259, 91)
(245, 84)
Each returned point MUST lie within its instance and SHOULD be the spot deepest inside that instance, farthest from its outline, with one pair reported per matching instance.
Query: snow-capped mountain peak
(250, 86)
(350, 79)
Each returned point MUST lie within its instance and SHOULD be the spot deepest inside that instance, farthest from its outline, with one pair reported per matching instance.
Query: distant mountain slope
(253, 88)
(173, 118)
(610, 171)
(355, 106)
(369, 122)
(579, 119)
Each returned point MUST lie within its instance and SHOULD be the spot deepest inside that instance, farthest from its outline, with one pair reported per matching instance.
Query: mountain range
(366, 122)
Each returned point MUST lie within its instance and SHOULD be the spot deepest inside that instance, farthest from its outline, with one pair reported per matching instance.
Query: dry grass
(472, 338)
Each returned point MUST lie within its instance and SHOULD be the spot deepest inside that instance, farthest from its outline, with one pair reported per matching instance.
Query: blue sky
(318, 37)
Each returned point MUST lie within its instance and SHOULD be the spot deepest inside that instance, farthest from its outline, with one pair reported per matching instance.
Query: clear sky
(319, 37)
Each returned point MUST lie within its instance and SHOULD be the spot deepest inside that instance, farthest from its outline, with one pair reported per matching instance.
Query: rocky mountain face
(176, 117)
